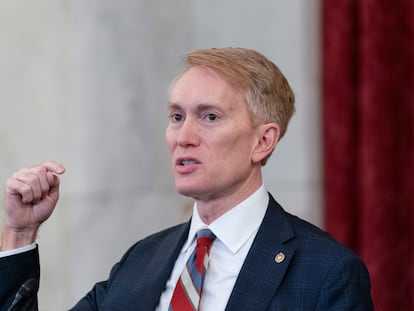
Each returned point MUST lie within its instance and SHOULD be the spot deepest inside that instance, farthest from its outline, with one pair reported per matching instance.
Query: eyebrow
(199, 107)
(173, 106)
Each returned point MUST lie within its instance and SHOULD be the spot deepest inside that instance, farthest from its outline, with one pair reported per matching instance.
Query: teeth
(187, 162)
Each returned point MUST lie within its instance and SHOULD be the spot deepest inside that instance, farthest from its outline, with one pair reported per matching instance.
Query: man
(227, 110)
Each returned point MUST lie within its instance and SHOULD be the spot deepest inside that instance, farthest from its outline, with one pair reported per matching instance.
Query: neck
(211, 209)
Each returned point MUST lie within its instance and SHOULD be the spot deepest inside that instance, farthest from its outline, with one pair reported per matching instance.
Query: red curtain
(368, 127)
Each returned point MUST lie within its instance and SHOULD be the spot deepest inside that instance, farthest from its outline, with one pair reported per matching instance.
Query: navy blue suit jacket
(317, 273)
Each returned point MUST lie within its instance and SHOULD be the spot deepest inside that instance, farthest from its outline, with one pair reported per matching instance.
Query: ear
(267, 138)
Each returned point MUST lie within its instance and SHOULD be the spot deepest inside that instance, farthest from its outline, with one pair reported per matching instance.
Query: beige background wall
(85, 83)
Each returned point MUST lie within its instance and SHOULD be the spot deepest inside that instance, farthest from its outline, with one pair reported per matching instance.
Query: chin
(187, 191)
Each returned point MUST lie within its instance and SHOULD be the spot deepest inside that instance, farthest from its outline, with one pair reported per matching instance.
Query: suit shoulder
(169, 236)
(309, 237)
(316, 239)
(166, 232)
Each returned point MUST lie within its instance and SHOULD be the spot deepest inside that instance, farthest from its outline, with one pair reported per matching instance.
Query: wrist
(16, 238)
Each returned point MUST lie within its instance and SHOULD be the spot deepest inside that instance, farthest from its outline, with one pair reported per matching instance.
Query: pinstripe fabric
(187, 293)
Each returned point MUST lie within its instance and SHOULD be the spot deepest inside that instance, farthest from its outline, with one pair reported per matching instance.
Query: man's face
(210, 137)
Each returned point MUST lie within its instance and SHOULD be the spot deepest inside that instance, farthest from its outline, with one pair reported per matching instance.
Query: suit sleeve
(15, 270)
(347, 287)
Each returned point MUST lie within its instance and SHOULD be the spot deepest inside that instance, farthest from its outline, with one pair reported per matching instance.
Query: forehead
(203, 85)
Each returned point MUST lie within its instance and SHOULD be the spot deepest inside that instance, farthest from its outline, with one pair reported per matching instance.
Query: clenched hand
(30, 197)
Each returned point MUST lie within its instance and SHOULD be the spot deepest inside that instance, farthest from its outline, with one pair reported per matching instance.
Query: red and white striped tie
(187, 293)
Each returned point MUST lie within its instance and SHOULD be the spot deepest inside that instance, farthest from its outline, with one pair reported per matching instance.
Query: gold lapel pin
(279, 257)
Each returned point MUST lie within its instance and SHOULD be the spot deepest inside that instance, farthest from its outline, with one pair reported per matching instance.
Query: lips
(186, 165)
(186, 161)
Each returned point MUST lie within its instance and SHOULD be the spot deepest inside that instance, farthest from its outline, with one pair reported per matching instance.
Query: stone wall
(85, 83)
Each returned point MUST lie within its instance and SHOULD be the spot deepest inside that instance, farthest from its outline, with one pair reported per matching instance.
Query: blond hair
(266, 91)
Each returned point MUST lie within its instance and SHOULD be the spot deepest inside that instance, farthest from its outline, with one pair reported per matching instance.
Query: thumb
(52, 179)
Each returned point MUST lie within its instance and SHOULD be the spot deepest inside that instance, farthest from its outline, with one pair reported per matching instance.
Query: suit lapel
(265, 264)
(161, 266)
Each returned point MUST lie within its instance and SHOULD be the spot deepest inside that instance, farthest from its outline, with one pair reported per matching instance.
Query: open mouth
(186, 161)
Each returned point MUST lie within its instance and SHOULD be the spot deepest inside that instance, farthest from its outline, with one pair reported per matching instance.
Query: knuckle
(25, 190)
(10, 183)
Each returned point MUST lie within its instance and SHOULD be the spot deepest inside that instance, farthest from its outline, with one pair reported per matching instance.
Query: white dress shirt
(235, 232)
(18, 250)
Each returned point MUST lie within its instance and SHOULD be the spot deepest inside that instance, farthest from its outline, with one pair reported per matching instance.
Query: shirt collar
(247, 215)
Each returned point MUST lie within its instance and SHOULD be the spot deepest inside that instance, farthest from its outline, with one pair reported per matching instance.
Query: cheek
(233, 147)
(169, 139)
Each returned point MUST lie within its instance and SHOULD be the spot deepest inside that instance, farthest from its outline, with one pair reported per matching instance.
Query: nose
(187, 134)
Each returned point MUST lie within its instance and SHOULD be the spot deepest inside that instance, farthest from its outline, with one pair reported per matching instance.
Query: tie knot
(205, 237)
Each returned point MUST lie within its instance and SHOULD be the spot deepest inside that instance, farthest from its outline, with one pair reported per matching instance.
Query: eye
(176, 117)
(212, 117)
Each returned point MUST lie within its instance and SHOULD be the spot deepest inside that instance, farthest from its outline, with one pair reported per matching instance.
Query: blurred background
(85, 83)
